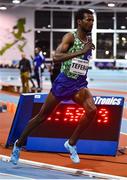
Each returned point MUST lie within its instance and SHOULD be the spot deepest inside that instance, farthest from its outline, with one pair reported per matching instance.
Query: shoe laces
(74, 150)
(16, 153)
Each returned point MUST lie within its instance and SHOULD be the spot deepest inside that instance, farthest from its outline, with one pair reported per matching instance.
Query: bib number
(79, 66)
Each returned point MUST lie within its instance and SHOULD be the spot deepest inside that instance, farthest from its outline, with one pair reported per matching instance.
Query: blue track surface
(27, 171)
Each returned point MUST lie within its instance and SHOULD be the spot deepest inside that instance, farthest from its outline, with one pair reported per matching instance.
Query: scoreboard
(101, 137)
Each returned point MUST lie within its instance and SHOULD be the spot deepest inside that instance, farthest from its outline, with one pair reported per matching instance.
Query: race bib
(79, 66)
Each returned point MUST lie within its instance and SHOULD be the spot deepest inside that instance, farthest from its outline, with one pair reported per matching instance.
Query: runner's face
(86, 24)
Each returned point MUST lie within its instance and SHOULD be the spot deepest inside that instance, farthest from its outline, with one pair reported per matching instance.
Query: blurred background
(27, 24)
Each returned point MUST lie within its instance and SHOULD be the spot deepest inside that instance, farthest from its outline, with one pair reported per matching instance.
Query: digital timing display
(64, 119)
(100, 137)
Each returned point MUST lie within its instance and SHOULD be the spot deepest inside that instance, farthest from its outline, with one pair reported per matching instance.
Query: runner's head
(85, 19)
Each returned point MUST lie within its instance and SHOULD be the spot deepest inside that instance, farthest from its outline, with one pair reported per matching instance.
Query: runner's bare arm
(61, 53)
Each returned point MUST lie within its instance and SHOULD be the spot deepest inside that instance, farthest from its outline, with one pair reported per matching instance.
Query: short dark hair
(80, 13)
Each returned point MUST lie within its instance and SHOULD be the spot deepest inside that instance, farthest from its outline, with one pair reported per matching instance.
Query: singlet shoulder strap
(74, 34)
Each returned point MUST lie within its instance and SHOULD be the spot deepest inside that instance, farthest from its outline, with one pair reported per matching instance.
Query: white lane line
(66, 169)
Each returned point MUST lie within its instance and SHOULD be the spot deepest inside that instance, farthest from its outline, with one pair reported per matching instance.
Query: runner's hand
(89, 45)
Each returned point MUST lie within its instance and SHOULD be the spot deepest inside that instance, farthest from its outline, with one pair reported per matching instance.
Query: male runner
(74, 52)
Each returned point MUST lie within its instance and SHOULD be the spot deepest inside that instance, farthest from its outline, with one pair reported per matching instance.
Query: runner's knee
(42, 116)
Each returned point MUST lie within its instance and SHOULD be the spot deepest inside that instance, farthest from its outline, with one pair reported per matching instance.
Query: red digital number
(73, 114)
(69, 114)
(103, 116)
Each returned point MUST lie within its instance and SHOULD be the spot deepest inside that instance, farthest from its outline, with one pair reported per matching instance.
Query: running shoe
(15, 154)
(73, 152)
